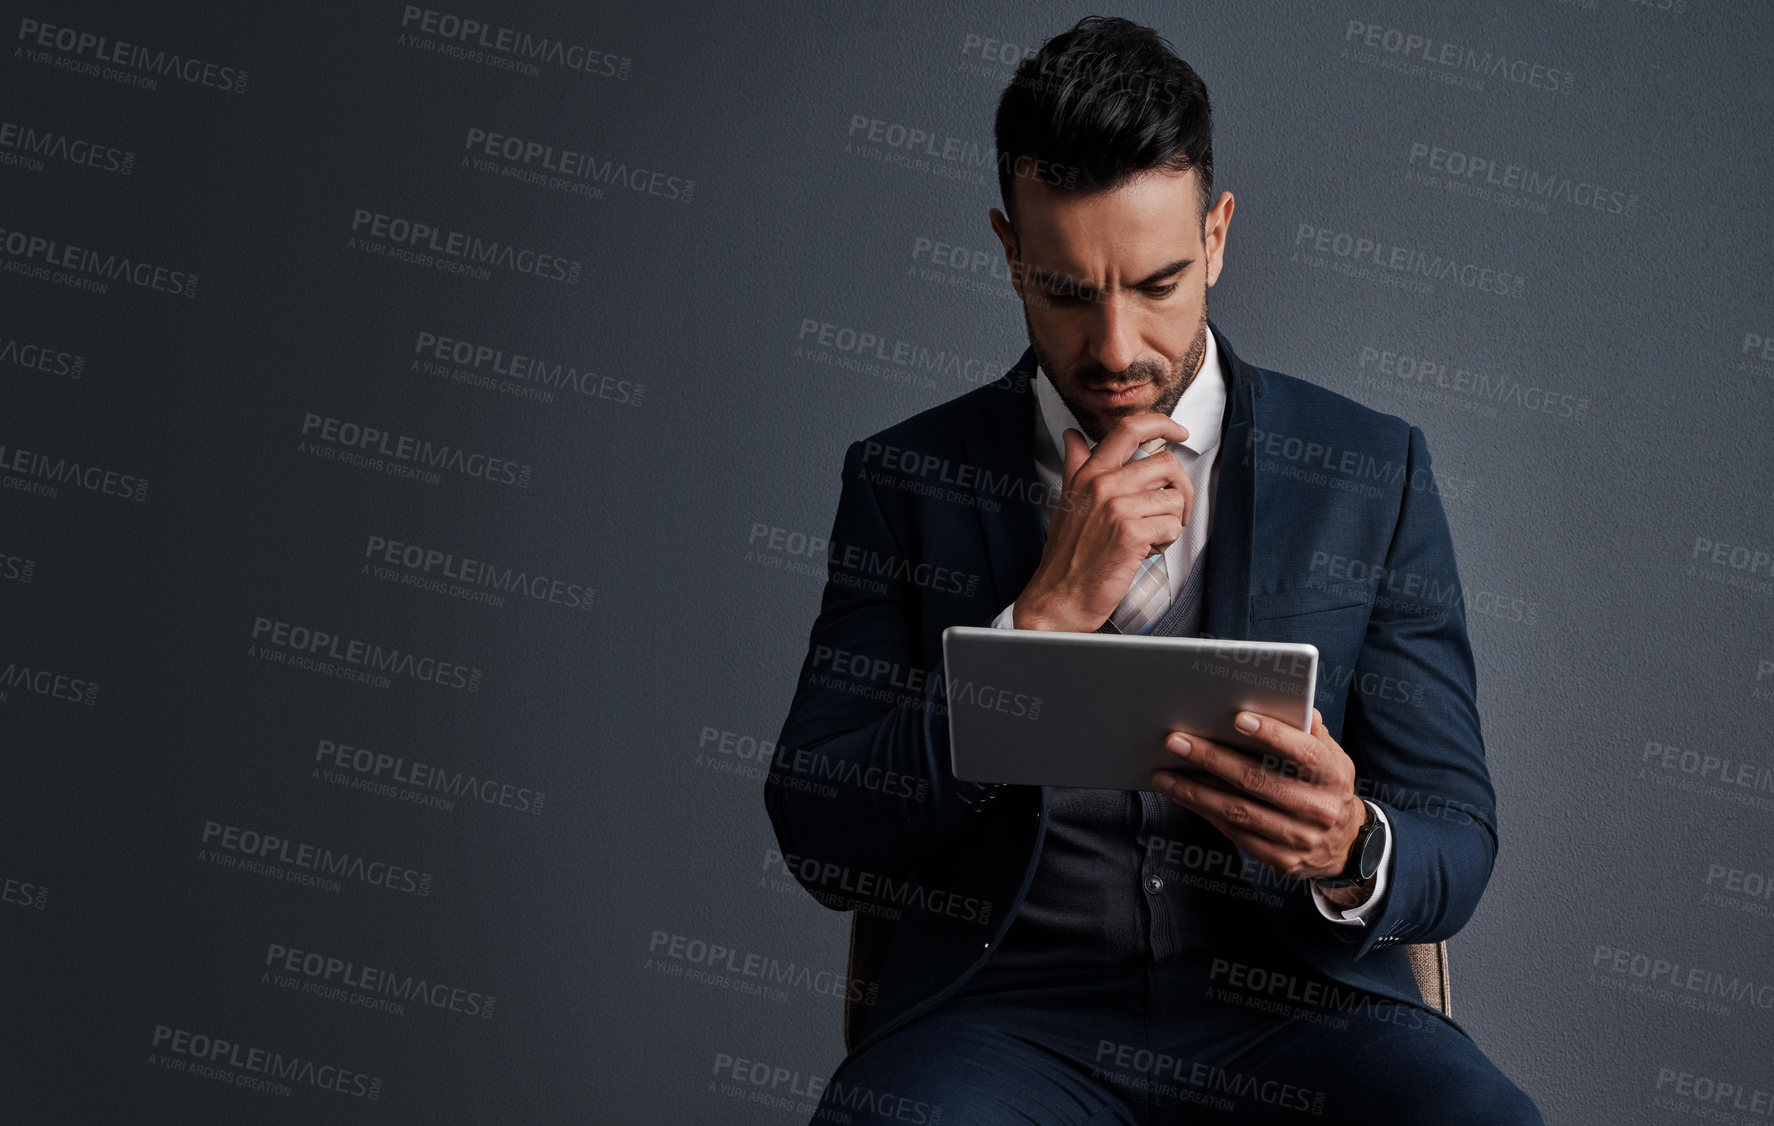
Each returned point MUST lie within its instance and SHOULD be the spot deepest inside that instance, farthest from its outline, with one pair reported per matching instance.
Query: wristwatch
(1364, 854)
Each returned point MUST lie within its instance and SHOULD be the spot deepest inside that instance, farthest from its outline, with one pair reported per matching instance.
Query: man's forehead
(1132, 231)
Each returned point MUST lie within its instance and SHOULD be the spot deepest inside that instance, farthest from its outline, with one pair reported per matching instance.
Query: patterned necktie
(1150, 593)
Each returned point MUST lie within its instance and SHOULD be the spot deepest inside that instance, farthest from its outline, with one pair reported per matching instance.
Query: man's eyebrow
(1053, 279)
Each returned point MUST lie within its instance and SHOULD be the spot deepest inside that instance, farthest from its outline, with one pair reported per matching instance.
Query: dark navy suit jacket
(1327, 528)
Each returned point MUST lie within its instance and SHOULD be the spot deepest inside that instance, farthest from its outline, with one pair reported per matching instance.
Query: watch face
(1371, 851)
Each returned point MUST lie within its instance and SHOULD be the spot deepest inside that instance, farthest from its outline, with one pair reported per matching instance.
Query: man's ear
(1213, 234)
(1012, 251)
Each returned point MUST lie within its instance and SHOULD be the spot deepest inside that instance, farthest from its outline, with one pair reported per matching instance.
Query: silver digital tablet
(1046, 708)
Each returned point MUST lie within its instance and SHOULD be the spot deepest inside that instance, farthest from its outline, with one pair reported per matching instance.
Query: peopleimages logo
(516, 373)
(32, 146)
(902, 361)
(240, 1065)
(402, 455)
(83, 52)
(1386, 368)
(533, 162)
(48, 684)
(267, 854)
(422, 244)
(504, 48)
(421, 783)
(476, 580)
(1698, 987)
(1717, 1099)
(1455, 63)
(46, 259)
(40, 474)
(24, 893)
(358, 659)
(1380, 258)
(698, 959)
(1472, 174)
(16, 568)
(337, 979)
(41, 357)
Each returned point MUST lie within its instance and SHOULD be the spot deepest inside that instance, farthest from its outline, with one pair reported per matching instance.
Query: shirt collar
(1200, 410)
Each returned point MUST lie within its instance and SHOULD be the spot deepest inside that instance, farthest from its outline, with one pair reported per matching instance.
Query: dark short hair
(1098, 105)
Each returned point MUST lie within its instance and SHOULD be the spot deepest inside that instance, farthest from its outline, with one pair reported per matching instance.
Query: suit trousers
(1219, 1040)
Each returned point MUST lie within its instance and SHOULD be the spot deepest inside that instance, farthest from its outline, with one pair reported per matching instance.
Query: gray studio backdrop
(419, 426)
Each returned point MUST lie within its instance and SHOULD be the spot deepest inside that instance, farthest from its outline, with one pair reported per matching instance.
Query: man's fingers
(1143, 475)
(1251, 777)
(1309, 756)
(1153, 534)
(1158, 472)
(1282, 862)
(1287, 853)
(1077, 453)
(1159, 484)
(1136, 508)
(1238, 811)
(1120, 442)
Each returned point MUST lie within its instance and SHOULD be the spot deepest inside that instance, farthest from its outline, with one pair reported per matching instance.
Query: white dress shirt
(1200, 410)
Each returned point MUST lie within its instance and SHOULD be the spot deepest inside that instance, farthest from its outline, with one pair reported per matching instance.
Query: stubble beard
(1167, 399)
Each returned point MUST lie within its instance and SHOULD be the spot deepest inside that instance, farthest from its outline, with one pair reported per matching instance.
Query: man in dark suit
(1229, 940)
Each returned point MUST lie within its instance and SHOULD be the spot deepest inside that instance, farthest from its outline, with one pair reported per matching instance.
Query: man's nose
(1116, 343)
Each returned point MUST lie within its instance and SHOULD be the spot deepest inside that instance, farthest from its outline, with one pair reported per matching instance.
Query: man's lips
(1116, 395)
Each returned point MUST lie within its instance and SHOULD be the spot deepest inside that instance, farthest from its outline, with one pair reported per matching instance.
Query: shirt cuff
(1004, 618)
(1357, 916)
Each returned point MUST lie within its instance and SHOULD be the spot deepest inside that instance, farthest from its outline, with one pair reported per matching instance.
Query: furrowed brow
(1053, 279)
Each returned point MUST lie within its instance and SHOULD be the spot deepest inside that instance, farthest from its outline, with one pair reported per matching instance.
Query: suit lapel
(999, 445)
(1226, 609)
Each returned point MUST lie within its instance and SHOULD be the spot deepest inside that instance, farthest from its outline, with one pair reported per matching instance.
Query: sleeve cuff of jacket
(1357, 916)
